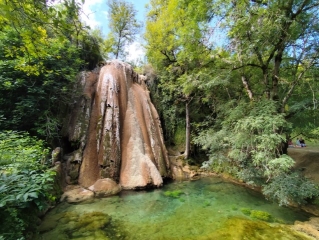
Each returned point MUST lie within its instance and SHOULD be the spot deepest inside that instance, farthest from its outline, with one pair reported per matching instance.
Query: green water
(209, 208)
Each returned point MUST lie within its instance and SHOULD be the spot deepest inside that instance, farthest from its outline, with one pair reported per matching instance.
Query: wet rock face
(117, 129)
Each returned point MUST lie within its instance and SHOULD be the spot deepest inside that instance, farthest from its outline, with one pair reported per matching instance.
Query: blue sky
(95, 12)
(95, 15)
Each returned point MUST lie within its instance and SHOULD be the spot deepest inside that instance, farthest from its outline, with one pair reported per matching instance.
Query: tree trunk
(275, 75)
(188, 130)
(118, 46)
(244, 79)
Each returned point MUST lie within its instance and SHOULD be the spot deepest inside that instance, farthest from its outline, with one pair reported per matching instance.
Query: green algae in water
(91, 225)
(240, 228)
(245, 211)
(260, 215)
(206, 209)
(174, 194)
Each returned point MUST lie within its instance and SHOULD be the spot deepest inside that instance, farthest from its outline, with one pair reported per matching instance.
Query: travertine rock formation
(116, 129)
(105, 187)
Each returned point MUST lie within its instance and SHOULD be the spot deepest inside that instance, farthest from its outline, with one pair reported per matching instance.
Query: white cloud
(105, 13)
(136, 52)
(88, 14)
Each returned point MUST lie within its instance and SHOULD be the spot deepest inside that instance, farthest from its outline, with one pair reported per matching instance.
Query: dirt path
(307, 160)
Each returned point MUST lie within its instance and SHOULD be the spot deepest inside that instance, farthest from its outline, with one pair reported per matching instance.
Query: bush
(249, 141)
(26, 183)
(291, 188)
(19, 151)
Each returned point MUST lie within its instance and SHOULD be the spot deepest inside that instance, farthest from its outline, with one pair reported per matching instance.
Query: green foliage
(44, 47)
(291, 188)
(177, 34)
(26, 183)
(180, 136)
(38, 26)
(253, 86)
(22, 188)
(249, 139)
(34, 102)
(248, 145)
(19, 151)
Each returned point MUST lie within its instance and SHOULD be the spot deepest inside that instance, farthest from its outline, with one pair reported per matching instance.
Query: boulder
(181, 170)
(77, 194)
(105, 187)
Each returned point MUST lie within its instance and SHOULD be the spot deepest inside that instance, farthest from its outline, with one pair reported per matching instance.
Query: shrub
(291, 188)
(26, 183)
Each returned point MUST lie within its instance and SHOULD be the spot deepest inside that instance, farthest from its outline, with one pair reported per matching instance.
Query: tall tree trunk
(118, 46)
(188, 130)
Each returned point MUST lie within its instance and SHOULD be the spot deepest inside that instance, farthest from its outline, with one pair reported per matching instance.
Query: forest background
(232, 81)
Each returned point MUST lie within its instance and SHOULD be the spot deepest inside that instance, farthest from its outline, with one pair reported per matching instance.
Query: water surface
(209, 208)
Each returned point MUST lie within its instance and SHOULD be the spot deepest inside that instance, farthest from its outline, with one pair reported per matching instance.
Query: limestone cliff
(116, 129)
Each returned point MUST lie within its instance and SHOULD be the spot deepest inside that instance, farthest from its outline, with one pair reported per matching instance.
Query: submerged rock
(90, 225)
(117, 130)
(241, 228)
(311, 227)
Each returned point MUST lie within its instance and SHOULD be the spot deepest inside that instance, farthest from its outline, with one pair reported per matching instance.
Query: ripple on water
(208, 208)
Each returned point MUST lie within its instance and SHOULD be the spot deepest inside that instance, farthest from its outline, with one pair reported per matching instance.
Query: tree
(254, 82)
(123, 27)
(273, 51)
(273, 44)
(272, 55)
(177, 47)
(44, 47)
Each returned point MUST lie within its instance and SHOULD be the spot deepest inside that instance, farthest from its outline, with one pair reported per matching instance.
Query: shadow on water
(209, 208)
